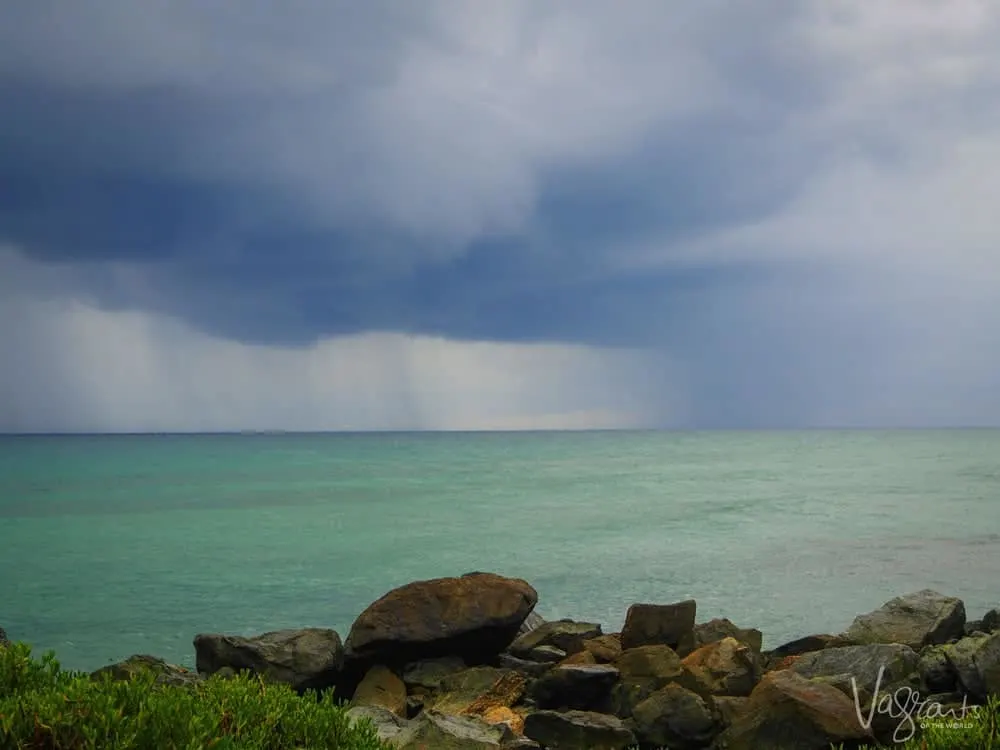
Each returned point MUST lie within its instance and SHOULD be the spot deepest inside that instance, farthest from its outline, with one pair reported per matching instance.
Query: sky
(330, 215)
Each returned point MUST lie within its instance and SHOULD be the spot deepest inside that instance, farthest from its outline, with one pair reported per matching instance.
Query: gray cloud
(788, 202)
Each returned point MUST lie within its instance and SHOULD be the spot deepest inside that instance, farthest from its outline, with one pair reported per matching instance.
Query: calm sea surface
(116, 545)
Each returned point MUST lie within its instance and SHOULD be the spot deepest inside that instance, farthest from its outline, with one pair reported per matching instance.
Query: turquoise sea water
(113, 545)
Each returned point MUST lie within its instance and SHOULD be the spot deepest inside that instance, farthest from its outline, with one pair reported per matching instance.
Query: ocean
(114, 545)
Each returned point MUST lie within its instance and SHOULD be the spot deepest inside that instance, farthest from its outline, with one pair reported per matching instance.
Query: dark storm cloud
(154, 164)
(763, 193)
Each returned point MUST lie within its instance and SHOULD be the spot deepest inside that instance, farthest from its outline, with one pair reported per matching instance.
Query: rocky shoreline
(465, 663)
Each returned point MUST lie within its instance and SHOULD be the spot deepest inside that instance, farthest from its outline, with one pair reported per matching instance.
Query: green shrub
(46, 708)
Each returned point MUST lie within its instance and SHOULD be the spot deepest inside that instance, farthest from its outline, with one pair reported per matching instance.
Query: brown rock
(789, 712)
(605, 648)
(382, 687)
(726, 667)
(675, 717)
(458, 691)
(505, 692)
(580, 657)
(721, 627)
(786, 662)
(504, 715)
(643, 671)
(473, 617)
(729, 707)
(655, 624)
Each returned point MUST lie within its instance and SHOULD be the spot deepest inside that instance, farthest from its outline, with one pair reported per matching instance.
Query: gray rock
(427, 674)
(444, 732)
(804, 646)
(577, 730)
(532, 621)
(525, 666)
(898, 665)
(308, 658)
(575, 686)
(522, 743)
(546, 654)
(937, 675)
(139, 664)
(387, 724)
(991, 621)
(566, 635)
(675, 717)
(923, 618)
(976, 662)
(653, 624)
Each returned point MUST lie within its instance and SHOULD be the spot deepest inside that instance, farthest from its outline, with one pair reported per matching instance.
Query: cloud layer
(439, 216)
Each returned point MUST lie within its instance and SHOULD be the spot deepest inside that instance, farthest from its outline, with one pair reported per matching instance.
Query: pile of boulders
(465, 663)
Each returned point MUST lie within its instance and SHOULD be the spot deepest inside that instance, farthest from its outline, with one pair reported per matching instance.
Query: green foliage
(43, 707)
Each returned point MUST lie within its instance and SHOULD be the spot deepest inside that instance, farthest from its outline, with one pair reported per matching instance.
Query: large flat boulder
(923, 618)
(577, 730)
(308, 658)
(473, 617)
(789, 712)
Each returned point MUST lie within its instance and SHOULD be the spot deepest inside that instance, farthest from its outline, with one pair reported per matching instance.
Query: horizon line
(375, 431)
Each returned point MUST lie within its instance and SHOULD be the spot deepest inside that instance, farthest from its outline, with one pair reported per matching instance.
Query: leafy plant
(43, 707)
